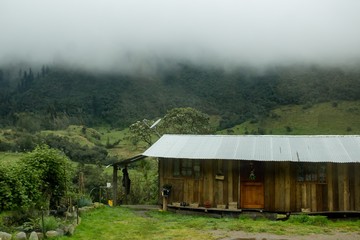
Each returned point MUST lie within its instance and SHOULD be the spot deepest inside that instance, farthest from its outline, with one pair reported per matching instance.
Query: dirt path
(240, 235)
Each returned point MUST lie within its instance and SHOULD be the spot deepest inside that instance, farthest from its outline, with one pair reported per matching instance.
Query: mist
(134, 35)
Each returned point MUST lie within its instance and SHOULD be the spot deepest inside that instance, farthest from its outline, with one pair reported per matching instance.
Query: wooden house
(269, 173)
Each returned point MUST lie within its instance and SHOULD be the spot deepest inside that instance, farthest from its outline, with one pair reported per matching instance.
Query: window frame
(311, 173)
(187, 168)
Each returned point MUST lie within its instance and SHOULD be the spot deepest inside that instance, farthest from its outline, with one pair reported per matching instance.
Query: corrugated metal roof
(314, 148)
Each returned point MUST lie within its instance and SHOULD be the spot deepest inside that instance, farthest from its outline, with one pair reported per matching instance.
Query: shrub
(84, 201)
(50, 223)
(33, 224)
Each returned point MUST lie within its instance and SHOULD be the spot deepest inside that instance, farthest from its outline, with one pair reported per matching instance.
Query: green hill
(341, 117)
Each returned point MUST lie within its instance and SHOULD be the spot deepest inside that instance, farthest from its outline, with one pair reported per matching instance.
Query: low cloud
(130, 35)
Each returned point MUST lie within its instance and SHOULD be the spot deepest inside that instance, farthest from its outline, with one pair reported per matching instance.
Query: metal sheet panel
(281, 150)
(339, 149)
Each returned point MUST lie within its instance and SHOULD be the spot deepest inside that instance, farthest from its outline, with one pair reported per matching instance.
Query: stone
(51, 234)
(60, 232)
(77, 221)
(5, 236)
(20, 236)
(68, 214)
(33, 236)
(71, 230)
(40, 235)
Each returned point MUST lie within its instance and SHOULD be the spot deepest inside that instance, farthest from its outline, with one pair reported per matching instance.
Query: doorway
(252, 185)
(252, 195)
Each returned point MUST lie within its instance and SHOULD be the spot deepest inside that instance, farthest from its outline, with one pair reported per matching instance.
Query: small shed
(277, 173)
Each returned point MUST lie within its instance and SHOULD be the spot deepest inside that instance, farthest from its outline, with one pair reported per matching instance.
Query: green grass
(9, 158)
(125, 149)
(124, 223)
(326, 118)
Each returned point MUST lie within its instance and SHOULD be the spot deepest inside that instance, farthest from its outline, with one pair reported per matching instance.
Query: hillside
(331, 118)
(328, 118)
(53, 97)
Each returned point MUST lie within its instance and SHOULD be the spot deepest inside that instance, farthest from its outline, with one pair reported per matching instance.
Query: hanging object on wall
(252, 175)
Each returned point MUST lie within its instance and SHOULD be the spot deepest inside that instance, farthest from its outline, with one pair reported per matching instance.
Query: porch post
(115, 185)
(330, 186)
(239, 185)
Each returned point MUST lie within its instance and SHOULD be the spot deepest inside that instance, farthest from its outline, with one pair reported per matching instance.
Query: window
(308, 172)
(186, 168)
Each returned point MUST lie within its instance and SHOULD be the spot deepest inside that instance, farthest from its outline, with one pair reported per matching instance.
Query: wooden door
(252, 195)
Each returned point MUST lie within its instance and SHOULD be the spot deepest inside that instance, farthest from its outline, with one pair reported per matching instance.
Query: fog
(128, 35)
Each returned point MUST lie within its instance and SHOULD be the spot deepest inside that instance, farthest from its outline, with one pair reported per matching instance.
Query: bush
(14, 191)
(84, 201)
(50, 223)
(40, 179)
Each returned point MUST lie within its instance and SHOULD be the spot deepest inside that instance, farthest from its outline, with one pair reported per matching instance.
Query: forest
(52, 97)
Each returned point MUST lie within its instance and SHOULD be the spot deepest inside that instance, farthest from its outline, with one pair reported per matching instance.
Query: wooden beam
(287, 186)
(115, 185)
(230, 182)
(239, 184)
(357, 187)
(330, 186)
(304, 196)
(313, 198)
(346, 188)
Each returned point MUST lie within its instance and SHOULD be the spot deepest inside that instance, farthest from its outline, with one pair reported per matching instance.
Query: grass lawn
(124, 223)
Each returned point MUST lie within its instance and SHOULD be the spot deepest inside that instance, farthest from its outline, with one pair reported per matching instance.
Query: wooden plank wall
(356, 187)
(341, 192)
(282, 192)
(269, 186)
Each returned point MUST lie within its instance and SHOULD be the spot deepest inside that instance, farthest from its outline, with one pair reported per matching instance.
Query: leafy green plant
(50, 223)
(33, 224)
(84, 201)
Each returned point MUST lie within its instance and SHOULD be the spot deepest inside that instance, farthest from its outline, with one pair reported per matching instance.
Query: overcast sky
(107, 34)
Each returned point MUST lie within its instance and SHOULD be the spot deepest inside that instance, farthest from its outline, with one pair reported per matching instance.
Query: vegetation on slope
(53, 97)
(330, 118)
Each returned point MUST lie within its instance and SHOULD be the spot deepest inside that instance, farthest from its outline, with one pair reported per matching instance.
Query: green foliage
(84, 201)
(94, 176)
(60, 97)
(50, 223)
(33, 224)
(28, 121)
(176, 121)
(41, 178)
(144, 183)
(140, 131)
(13, 188)
(185, 121)
(76, 152)
(52, 171)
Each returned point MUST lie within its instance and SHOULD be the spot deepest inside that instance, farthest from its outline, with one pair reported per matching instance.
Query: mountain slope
(55, 96)
(341, 117)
